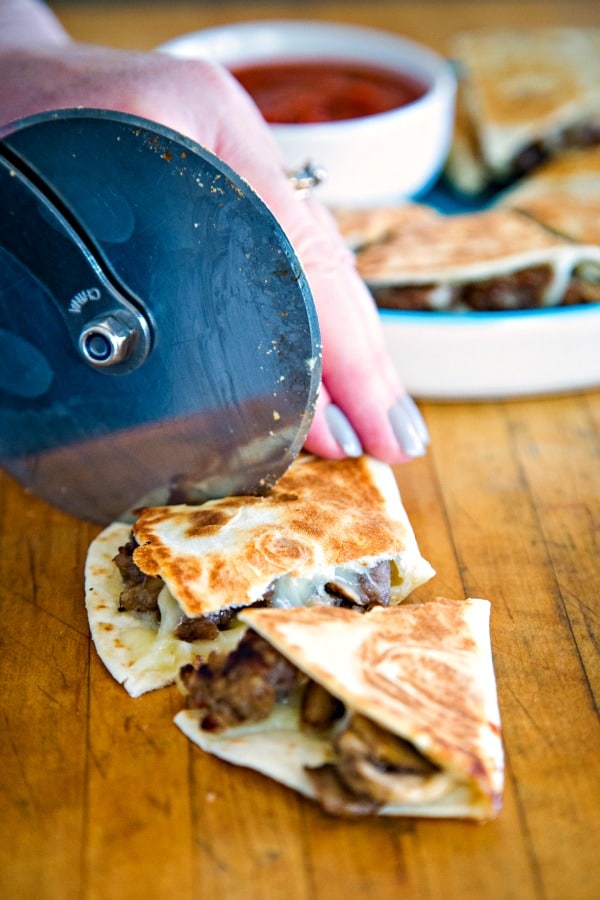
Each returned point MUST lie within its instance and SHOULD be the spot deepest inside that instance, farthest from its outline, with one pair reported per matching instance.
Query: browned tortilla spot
(321, 512)
(206, 521)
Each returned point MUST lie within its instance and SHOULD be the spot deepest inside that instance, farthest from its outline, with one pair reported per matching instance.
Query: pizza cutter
(158, 338)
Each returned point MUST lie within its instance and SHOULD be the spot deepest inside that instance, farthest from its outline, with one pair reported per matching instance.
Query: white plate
(478, 356)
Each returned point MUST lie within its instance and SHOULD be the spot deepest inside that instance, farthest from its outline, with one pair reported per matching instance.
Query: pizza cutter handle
(108, 332)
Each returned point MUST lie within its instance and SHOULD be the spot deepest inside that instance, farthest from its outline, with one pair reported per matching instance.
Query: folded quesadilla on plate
(394, 712)
(525, 95)
(563, 194)
(170, 587)
(493, 260)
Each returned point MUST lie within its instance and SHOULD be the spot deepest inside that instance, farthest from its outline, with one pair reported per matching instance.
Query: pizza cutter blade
(158, 338)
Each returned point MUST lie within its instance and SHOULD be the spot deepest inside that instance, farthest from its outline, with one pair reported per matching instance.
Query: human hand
(362, 404)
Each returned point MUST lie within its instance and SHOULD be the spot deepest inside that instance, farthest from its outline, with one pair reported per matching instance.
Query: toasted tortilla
(322, 515)
(140, 652)
(525, 95)
(421, 671)
(371, 225)
(326, 522)
(490, 260)
(563, 194)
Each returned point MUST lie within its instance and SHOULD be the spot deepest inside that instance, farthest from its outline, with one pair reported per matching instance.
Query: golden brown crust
(563, 194)
(423, 671)
(322, 513)
(525, 86)
(140, 650)
(360, 227)
(576, 218)
(449, 246)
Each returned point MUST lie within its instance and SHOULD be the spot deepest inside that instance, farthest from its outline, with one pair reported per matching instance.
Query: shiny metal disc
(216, 392)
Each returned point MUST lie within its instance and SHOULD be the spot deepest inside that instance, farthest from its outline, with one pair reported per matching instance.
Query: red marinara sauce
(325, 91)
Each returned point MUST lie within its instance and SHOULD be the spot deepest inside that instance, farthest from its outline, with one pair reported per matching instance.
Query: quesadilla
(392, 713)
(525, 95)
(563, 195)
(371, 225)
(464, 169)
(493, 260)
(170, 587)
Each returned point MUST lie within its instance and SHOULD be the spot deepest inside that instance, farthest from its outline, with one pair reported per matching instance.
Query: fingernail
(342, 431)
(415, 416)
(409, 426)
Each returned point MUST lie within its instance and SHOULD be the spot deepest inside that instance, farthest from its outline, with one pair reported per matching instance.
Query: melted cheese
(141, 651)
(289, 591)
(166, 653)
(563, 265)
(138, 651)
(278, 748)
(155, 653)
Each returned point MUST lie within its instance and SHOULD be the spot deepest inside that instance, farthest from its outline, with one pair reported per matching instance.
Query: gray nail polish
(414, 414)
(409, 426)
(342, 431)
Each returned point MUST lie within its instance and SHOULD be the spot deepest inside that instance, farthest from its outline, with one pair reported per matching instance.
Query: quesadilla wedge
(493, 260)
(392, 713)
(370, 225)
(170, 587)
(525, 95)
(563, 194)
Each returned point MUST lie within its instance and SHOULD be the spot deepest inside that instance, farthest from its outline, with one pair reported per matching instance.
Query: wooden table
(103, 798)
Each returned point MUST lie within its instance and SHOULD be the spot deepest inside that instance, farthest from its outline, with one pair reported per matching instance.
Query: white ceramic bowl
(382, 158)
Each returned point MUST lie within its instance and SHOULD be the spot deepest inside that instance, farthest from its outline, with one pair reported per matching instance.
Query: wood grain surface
(102, 798)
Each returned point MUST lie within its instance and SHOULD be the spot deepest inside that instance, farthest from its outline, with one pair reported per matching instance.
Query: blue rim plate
(478, 356)
(495, 355)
